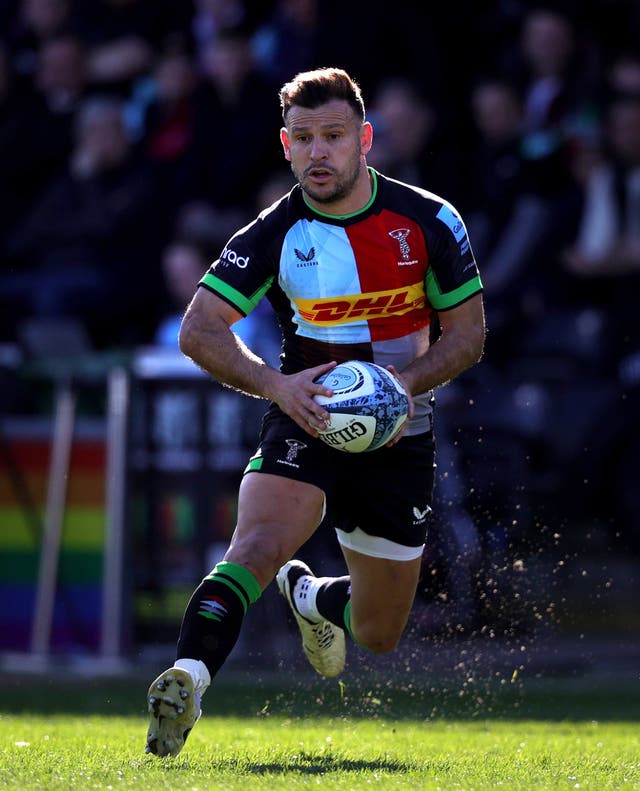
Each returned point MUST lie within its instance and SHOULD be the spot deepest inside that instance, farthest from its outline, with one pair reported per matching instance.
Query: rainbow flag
(23, 491)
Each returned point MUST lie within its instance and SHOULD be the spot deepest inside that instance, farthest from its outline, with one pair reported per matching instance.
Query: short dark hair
(312, 88)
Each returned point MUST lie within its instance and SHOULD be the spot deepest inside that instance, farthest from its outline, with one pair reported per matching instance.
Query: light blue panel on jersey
(452, 221)
(317, 262)
(448, 216)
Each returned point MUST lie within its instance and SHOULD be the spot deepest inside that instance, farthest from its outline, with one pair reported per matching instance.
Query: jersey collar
(343, 217)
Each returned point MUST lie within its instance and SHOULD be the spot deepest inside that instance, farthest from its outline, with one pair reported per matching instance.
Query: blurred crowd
(136, 135)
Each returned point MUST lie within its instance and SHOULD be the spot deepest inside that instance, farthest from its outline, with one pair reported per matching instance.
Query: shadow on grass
(310, 764)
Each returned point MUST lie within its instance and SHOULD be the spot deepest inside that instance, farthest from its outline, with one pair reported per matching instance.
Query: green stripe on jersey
(254, 464)
(243, 304)
(374, 193)
(442, 301)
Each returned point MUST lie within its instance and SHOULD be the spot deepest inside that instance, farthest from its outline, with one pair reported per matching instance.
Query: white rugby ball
(367, 409)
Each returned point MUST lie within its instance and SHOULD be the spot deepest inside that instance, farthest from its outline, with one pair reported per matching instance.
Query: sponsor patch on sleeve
(452, 221)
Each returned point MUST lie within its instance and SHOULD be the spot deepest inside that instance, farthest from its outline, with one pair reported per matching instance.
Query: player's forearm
(452, 354)
(222, 354)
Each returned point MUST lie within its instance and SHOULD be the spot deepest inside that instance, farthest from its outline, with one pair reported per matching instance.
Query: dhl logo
(356, 307)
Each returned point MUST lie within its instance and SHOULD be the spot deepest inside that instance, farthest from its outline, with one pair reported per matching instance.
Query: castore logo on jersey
(306, 257)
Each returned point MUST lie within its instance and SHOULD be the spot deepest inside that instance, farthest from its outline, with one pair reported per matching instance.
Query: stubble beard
(344, 184)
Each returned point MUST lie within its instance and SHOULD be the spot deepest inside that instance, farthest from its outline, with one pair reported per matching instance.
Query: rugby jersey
(359, 286)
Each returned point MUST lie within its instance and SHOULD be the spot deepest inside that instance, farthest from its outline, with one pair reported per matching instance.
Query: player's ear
(284, 139)
(366, 138)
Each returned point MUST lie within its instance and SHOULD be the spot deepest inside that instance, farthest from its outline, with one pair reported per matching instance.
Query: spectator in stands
(606, 251)
(274, 187)
(608, 241)
(234, 152)
(86, 245)
(36, 139)
(201, 223)
(288, 41)
(123, 36)
(411, 144)
(623, 75)
(42, 118)
(604, 266)
(35, 23)
(183, 264)
(15, 187)
(505, 213)
(556, 72)
(210, 17)
(168, 127)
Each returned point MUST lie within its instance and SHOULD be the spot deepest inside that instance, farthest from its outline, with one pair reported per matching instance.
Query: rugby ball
(367, 409)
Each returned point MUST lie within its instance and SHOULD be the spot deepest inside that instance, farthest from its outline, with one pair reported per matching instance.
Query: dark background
(536, 526)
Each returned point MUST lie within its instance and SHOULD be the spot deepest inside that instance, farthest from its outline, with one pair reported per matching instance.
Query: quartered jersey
(361, 286)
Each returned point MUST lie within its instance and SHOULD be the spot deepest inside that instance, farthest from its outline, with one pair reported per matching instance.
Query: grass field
(541, 735)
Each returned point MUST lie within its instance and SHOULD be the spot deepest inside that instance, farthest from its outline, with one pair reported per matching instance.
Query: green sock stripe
(347, 622)
(244, 601)
(240, 578)
(209, 615)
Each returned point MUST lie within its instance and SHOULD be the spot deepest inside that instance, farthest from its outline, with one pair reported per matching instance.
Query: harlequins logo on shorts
(294, 447)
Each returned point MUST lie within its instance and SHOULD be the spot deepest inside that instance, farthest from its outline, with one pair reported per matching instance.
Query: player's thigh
(276, 515)
(382, 592)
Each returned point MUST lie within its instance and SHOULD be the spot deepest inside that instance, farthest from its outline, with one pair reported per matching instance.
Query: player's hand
(295, 398)
(398, 436)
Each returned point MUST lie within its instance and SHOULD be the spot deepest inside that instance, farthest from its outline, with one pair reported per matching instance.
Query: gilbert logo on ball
(367, 409)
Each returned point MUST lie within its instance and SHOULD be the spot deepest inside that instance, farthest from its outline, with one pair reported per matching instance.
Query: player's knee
(376, 639)
(261, 553)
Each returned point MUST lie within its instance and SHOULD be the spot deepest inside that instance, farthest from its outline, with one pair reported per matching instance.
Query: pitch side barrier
(190, 439)
(63, 511)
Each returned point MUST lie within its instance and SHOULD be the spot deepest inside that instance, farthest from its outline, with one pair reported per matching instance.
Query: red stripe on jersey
(390, 253)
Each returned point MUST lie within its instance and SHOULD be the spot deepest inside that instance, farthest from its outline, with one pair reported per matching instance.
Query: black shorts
(379, 502)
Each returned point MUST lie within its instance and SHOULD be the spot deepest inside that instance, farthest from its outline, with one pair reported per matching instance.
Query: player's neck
(354, 202)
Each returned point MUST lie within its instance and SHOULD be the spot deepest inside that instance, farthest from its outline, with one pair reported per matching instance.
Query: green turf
(542, 735)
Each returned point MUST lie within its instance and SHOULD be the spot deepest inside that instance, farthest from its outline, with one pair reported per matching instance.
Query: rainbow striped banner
(23, 489)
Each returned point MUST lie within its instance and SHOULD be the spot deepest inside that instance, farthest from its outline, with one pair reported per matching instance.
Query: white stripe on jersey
(301, 277)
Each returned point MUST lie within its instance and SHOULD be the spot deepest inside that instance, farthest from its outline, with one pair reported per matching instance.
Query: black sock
(213, 617)
(332, 598)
